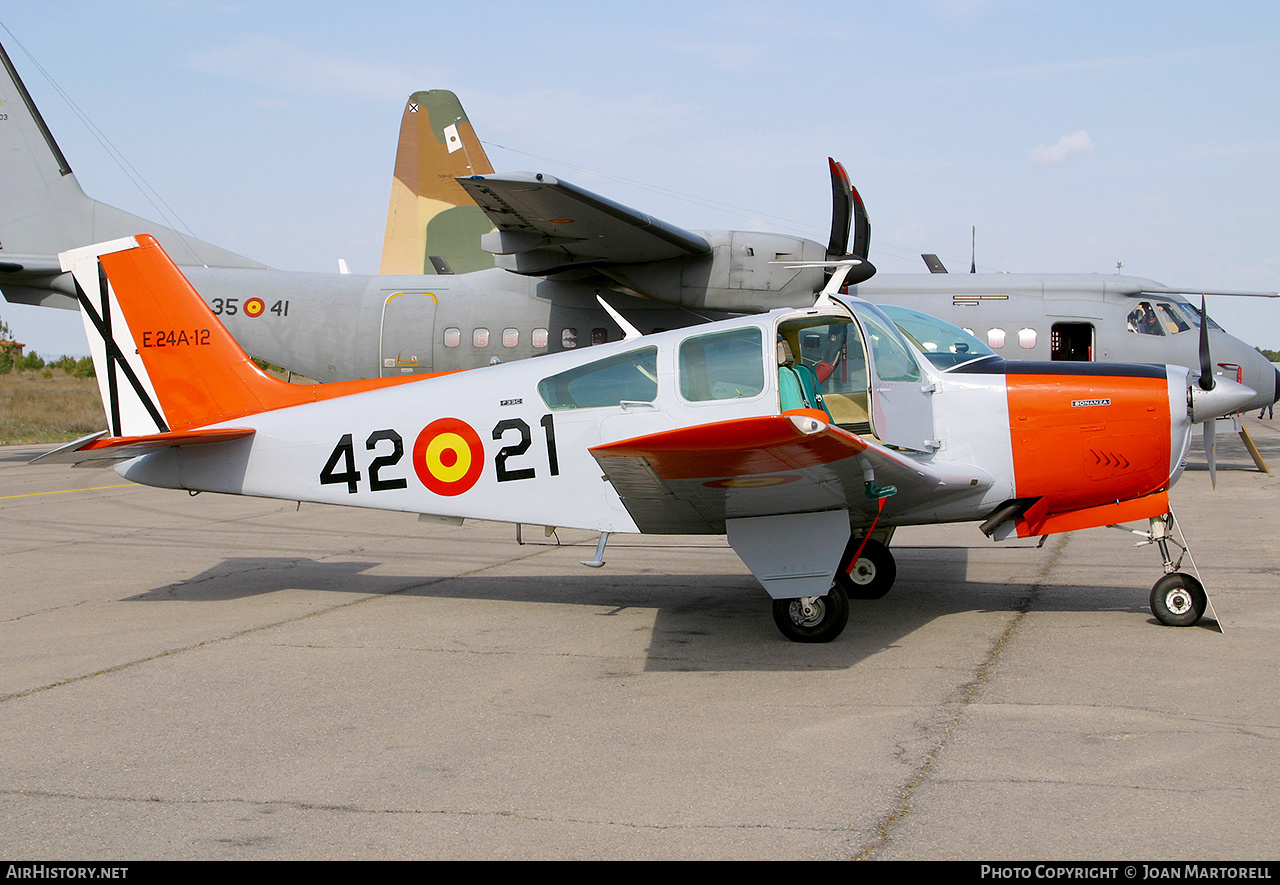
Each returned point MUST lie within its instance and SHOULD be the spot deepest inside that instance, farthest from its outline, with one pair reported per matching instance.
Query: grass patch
(48, 405)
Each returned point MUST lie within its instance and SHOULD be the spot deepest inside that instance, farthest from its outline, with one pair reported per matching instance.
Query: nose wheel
(1178, 600)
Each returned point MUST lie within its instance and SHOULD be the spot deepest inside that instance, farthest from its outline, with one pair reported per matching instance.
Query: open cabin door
(900, 393)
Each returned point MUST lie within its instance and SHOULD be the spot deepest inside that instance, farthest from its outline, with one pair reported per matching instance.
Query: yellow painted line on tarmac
(65, 491)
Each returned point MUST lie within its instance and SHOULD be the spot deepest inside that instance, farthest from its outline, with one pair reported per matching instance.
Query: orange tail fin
(164, 361)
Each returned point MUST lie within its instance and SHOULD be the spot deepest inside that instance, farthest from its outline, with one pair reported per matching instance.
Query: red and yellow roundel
(448, 456)
(254, 307)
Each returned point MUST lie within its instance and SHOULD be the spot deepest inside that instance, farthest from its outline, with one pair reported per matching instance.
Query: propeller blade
(1206, 361)
(849, 214)
(841, 210)
(1210, 432)
(861, 227)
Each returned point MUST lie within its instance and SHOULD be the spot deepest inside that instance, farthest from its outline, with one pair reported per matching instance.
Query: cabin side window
(1142, 320)
(631, 376)
(722, 365)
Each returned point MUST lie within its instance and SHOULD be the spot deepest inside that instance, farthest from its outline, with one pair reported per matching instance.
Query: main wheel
(1178, 600)
(873, 574)
(813, 618)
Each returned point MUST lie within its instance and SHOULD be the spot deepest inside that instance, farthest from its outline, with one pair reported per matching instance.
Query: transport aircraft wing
(545, 225)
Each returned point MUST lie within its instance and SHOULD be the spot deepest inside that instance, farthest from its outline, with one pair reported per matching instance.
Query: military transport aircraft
(450, 310)
(805, 435)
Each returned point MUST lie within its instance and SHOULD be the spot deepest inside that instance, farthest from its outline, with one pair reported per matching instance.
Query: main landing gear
(872, 575)
(813, 618)
(823, 618)
(1178, 599)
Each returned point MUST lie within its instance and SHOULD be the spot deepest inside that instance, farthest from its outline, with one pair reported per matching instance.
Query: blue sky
(1073, 135)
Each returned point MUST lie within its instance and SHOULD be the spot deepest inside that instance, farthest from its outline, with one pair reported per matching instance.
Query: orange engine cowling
(1094, 448)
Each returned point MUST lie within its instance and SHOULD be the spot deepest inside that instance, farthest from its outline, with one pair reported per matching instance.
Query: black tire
(815, 619)
(1178, 600)
(874, 574)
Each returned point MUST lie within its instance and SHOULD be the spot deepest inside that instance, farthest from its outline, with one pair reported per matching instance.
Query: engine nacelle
(745, 272)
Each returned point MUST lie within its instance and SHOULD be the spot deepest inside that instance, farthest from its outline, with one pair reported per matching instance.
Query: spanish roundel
(448, 456)
(254, 307)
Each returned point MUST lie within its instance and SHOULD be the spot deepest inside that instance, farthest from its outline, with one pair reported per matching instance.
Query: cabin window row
(510, 338)
(996, 338)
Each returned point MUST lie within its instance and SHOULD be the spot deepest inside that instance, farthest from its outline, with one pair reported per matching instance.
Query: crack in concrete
(443, 812)
(951, 712)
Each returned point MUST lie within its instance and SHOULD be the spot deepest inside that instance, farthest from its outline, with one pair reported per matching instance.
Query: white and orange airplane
(805, 435)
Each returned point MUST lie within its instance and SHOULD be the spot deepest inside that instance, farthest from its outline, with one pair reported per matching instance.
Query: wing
(693, 479)
(547, 226)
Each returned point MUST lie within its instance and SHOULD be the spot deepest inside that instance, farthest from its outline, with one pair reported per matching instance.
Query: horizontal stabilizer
(934, 263)
(98, 449)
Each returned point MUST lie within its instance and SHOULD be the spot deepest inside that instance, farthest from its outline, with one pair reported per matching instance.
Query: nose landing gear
(1178, 599)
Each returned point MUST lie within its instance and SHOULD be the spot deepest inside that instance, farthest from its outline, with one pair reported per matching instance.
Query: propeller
(1206, 361)
(1206, 383)
(849, 215)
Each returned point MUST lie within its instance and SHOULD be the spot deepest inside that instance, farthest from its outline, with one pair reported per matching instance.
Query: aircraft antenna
(973, 249)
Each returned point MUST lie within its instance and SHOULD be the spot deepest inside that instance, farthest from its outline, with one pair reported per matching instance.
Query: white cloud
(1068, 146)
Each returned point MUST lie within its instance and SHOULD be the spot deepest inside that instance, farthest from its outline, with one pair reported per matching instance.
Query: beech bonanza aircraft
(805, 435)
(448, 308)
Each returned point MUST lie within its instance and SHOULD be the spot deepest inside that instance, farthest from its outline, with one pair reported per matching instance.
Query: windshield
(944, 345)
(1193, 314)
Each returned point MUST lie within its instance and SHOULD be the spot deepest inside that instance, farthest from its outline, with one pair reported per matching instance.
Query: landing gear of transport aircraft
(813, 618)
(872, 575)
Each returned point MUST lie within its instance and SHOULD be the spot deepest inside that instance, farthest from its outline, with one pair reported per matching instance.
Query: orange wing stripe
(742, 447)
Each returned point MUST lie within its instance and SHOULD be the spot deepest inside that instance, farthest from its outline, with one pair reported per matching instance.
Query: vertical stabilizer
(433, 226)
(164, 362)
(43, 211)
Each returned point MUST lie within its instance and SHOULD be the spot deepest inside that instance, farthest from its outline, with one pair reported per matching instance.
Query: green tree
(6, 353)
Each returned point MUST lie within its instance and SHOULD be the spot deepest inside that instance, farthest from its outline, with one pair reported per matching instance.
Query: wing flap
(547, 226)
(692, 479)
